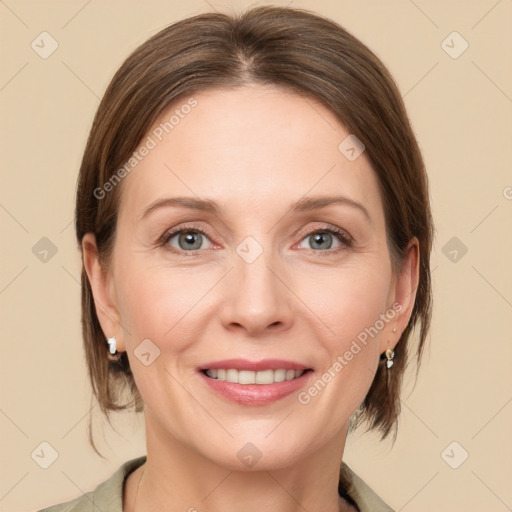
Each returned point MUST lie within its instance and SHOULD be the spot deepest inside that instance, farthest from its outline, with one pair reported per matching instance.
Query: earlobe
(103, 292)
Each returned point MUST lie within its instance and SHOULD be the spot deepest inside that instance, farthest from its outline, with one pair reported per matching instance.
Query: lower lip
(256, 394)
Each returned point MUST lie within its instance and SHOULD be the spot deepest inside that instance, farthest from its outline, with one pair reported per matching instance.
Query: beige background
(461, 110)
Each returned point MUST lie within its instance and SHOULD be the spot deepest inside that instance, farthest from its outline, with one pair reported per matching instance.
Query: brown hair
(291, 48)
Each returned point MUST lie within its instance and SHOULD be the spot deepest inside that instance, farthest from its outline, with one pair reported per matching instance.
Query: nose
(257, 297)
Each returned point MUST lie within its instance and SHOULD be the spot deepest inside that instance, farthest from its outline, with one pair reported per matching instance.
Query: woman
(253, 214)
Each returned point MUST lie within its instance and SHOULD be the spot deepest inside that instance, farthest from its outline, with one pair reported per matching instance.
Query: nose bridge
(257, 297)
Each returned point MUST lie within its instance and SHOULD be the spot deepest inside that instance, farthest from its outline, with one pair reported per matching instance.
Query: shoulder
(362, 494)
(107, 496)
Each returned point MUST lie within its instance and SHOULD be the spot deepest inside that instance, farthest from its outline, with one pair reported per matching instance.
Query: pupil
(191, 240)
(319, 238)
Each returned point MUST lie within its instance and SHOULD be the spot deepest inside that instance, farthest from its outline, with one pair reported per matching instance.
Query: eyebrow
(317, 202)
(303, 205)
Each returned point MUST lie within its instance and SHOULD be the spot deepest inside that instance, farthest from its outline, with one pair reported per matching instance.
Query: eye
(186, 239)
(324, 239)
(192, 239)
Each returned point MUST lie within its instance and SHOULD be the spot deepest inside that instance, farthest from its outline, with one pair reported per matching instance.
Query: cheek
(350, 302)
(356, 303)
(348, 299)
(159, 302)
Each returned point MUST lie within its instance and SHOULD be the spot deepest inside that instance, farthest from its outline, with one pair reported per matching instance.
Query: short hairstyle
(296, 50)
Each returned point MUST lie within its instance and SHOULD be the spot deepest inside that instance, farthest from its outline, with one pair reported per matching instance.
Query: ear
(103, 291)
(403, 295)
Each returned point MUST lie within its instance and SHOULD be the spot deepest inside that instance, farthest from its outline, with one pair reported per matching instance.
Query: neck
(176, 478)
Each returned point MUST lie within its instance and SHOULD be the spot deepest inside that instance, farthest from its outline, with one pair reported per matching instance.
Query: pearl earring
(112, 345)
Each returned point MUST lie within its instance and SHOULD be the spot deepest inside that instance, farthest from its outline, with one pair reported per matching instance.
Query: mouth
(247, 377)
(254, 383)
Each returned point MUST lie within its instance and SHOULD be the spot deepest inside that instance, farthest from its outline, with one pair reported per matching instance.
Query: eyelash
(340, 234)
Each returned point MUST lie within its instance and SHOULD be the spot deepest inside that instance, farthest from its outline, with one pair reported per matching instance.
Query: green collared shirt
(108, 496)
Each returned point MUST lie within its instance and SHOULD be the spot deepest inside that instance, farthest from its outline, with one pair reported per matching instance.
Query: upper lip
(255, 366)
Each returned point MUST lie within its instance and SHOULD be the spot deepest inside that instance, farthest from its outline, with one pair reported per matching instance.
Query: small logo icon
(454, 250)
(351, 147)
(249, 249)
(507, 192)
(249, 455)
(44, 45)
(44, 250)
(454, 455)
(44, 455)
(146, 352)
(454, 45)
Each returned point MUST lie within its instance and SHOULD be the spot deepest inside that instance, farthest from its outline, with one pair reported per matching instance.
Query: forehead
(255, 146)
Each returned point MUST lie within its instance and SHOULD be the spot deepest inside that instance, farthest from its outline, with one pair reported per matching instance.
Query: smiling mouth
(244, 377)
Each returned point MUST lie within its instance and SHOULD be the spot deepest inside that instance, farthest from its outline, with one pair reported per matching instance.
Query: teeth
(232, 376)
(245, 376)
(249, 377)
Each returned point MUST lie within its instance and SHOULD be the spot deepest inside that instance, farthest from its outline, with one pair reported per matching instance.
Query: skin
(254, 150)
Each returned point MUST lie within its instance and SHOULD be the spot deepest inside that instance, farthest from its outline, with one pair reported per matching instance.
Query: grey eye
(321, 240)
(189, 240)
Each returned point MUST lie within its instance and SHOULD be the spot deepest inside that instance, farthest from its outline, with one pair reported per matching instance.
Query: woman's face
(255, 276)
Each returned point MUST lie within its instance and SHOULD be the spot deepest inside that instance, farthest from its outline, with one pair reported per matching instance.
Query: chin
(259, 453)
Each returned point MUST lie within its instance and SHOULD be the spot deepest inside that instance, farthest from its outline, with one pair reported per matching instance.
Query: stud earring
(390, 354)
(394, 329)
(112, 345)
